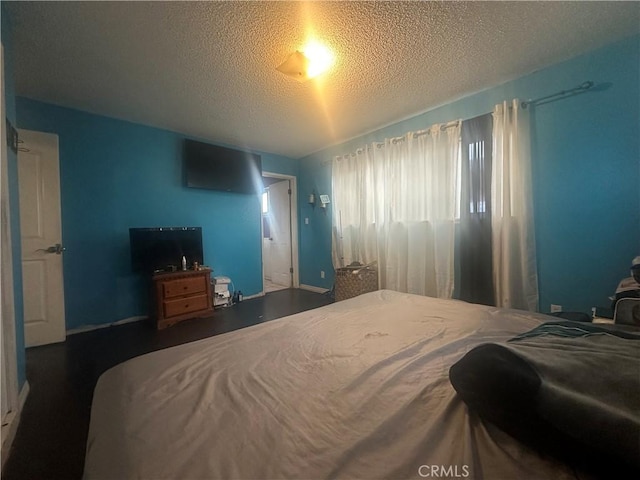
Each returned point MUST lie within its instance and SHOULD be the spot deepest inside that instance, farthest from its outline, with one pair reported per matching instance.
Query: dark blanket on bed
(566, 388)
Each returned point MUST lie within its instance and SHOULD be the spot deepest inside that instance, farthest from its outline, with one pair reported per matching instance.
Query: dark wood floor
(50, 442)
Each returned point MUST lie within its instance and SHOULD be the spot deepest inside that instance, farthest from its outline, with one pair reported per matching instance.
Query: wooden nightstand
(181, 296)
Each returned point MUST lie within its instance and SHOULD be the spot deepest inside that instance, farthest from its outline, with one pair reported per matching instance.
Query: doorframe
(293, 209)
(7, 314)
(9, 357)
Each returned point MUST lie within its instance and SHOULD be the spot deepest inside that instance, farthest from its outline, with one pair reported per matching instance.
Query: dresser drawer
(181, 306)
(183, 286)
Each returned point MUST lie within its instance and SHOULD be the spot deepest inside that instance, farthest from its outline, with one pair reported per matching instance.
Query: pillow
(566, 388)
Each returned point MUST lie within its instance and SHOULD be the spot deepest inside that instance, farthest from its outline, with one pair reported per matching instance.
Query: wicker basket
(352, 281)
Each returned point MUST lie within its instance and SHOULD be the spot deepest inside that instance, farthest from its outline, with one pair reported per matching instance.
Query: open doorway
(279, 233)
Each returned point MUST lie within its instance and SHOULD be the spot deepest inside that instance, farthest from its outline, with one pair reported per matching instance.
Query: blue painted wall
(315, 236)
(12, 166)
(116, 175)
(586, 161)
(586, 150)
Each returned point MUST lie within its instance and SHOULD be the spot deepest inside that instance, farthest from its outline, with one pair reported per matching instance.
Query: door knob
(57, 249)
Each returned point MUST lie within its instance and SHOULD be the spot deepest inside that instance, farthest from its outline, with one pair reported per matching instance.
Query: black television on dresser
(213, 167)
(158, 249)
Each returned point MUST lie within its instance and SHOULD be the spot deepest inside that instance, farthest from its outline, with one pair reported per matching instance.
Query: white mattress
(356, 389)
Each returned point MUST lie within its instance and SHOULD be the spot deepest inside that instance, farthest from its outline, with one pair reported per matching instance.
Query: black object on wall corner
(12, 136)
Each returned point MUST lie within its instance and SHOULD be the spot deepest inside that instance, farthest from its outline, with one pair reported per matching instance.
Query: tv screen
(220, 168)
(159, 248)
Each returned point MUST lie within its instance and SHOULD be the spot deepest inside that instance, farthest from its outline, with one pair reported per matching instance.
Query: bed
(356, 389)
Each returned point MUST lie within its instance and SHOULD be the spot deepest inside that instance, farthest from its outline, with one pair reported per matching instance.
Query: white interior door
(41, 231)
(280, 241)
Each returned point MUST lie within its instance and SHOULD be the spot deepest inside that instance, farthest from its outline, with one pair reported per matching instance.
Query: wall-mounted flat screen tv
(219, 168)
(160, 248)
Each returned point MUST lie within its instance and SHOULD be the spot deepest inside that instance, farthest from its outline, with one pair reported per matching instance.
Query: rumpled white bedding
(356, 389)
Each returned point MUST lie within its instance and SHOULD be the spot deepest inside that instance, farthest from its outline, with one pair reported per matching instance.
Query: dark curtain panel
(476, 279)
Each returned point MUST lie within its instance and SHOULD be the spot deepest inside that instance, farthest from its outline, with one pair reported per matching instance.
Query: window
(266, 224)
(476, 166)
(478, 187)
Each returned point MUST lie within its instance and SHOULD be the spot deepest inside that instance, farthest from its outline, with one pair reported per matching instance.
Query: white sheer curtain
(395, 203)
(514, 253)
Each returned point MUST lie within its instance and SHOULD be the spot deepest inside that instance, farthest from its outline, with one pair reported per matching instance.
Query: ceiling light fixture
(313, 60)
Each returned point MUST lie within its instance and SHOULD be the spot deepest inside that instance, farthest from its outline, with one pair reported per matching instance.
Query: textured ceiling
(207, 69)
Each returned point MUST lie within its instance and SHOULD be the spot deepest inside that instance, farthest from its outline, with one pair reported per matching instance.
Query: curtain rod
(443, 127)
(583, 87)
(579, 89)
(394, 140)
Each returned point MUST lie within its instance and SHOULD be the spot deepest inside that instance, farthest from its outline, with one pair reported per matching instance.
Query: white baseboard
(302, 286)
(311, 288)
(88, 328)
(11, 427)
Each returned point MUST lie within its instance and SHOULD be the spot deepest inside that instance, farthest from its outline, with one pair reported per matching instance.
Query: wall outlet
(321, 273)
(306, 220)
(556, 308)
